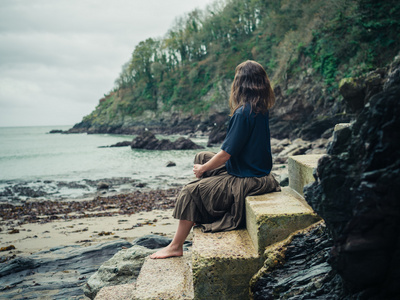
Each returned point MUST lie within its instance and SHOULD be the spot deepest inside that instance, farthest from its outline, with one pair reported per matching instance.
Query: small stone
(170, 164)
(103, 185)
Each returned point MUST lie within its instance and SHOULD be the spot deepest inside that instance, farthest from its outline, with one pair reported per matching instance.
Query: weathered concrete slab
(117, 292)
(223, 264)
(272, 217)
(301, 168)
(165, 278)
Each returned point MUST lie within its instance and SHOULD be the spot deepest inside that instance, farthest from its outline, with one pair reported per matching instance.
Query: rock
(56, 131)
(217, 134)
(56, 273)
(357, 91)
(184, 144)
(103, 185)
(153, 241)
(124, 266)
(284, 179)
(353, 92)
(147, 140)
(122, 144)
(297, 268)
(356, 193)
(170, 164)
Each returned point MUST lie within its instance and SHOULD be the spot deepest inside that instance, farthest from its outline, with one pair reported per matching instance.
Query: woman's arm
(218, 160)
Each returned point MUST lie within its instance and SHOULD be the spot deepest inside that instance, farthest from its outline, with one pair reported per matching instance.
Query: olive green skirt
(217, 200)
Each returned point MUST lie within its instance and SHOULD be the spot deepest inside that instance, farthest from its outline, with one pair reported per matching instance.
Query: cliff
(181, 83)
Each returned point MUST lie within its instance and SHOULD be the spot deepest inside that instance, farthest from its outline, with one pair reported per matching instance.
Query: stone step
(158, 279)
(223, 264)
(165, 278)
(301, 168)
(117, 292)
(272, 217)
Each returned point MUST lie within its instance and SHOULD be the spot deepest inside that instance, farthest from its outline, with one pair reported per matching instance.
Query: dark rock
(153, 241)
(147, 140)
(124, 266)
(357, 91)
(103, 186)
(170, 164)
(298, 269)
(122, 144)
(183, 144)
(217, 134)
(55, 273)
(56, 131)
(357, 192)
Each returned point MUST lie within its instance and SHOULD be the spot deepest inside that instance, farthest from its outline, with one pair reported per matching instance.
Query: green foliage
(339, 37)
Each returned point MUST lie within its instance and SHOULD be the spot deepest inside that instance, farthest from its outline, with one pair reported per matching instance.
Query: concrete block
(116, 292)
(223, 264)
(165, 279)
(272, 217)
(301, 168)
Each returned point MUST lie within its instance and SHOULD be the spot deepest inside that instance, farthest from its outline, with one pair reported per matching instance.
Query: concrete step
(165, 278)
(158, 279)
(223, 264)
(301, 168)
(272, 217)
(117, 292)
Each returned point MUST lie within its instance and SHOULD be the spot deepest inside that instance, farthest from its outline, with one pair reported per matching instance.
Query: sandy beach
(35, 237)
(41, 225)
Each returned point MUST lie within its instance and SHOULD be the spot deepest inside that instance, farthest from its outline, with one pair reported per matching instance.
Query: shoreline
(40, 225)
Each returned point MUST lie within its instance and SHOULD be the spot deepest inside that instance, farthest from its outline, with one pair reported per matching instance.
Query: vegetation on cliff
(190, 68)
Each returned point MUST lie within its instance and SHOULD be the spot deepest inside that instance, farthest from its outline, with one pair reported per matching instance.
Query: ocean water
(30, 156)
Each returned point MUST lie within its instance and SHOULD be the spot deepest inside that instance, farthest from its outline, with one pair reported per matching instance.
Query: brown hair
(251, 85)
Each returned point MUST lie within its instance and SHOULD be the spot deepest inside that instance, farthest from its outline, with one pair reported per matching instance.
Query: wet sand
(35, 237)
(41, 225)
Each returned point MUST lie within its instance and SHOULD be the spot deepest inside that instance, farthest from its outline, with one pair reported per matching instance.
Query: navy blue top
(248, 143)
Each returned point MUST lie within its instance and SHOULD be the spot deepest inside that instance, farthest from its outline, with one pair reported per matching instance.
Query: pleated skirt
(217, 200)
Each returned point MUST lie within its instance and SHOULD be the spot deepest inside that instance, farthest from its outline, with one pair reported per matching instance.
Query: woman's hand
(198, 170)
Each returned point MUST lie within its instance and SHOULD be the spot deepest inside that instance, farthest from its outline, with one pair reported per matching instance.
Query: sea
(56, 163)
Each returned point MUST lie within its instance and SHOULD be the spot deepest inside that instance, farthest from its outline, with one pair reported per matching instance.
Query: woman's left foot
(167, 252)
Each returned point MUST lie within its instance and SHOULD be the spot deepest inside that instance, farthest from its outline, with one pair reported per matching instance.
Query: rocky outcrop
(57, 273)
(357, 195)
(356, 192)
(147, 140)
(125, 265)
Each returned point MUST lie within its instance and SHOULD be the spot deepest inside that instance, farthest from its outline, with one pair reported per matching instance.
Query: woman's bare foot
(169, 251)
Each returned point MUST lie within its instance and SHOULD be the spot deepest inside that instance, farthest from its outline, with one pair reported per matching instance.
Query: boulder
(125, 265)
(147, 140)
(356, 192)
(122, 268)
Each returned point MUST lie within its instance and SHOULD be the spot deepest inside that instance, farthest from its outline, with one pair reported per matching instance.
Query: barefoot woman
(242, 168)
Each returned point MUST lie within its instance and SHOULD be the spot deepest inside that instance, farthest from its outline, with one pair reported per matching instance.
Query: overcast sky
(58, 58)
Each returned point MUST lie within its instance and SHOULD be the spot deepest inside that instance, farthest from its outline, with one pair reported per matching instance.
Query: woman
(242, 168)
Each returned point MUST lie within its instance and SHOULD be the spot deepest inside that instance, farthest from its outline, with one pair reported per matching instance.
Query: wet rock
(298, 269)
(56, 273)
(217, 134)
(170, 164)
(147, 140)
(356, 193)
(122, 144)
(124, 266)
(56, 131)
(103, 186)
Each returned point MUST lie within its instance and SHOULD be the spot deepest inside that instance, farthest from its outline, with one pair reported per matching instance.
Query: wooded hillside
(188, 72)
